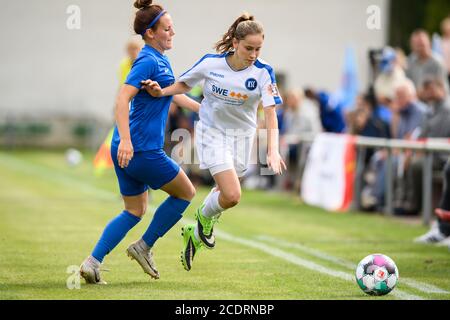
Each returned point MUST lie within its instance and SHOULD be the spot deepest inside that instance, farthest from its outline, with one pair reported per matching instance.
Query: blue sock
(167, 214)
(114, 232)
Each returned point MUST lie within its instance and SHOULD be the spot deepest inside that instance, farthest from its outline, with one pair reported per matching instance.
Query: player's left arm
(274, 160)
(184, 101)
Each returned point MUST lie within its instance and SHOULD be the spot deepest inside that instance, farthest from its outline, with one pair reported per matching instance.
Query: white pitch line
(308, 250)
(26, 167)
(300, 261)
(424, 287)
(48, 175)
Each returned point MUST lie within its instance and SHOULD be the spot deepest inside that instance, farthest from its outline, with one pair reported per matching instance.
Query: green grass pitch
(271, 246)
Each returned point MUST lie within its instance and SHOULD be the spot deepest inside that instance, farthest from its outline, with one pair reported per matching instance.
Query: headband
(153, 22)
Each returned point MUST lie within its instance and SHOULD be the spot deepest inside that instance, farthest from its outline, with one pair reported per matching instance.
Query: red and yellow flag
(103, 159)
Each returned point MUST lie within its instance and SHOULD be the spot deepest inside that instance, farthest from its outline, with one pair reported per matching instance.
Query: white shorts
(218, 151)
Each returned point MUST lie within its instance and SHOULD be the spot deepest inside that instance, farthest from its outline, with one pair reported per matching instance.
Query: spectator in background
(422, 64)
(440, 230)
(391, 74)
(436, 125)
(445, 28)
(410, 113)
(280, 118)
(331, 111)
(301, 117)
(364, 121)
(133, 47)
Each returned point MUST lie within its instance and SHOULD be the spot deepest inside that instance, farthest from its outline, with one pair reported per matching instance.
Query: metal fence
(428, 147)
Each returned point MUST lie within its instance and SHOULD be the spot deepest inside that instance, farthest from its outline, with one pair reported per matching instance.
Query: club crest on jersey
(273, 89)
(251, 84)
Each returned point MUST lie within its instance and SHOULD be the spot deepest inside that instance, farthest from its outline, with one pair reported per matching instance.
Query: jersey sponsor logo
(251, 84)
(218, 75)
(229, 97)
(273, 90)
(220, 91)
(226, 93)
(238, 95)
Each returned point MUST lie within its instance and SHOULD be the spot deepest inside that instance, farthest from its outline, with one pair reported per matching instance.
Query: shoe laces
(209, 224)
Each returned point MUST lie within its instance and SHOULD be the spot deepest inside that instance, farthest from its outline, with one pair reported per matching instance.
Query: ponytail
(244, 25)
(147, 16)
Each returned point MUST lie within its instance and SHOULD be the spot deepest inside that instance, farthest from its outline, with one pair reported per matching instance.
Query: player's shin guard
(114, 232)
(166, 216)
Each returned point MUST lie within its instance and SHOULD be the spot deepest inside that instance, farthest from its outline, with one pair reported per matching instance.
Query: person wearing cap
(391, 74)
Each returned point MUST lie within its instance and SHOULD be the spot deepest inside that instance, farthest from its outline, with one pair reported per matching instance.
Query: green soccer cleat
(190, 246)
(205, 227)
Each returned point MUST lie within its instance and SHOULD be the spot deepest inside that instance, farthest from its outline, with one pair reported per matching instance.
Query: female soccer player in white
(235, 82)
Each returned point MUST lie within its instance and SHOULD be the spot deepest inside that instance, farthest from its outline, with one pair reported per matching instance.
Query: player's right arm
(184, 84)
(184, 101)
(125, 150)
(142, 69)
(154, 89)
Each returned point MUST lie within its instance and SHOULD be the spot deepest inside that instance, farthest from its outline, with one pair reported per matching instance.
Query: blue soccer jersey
(148, 115)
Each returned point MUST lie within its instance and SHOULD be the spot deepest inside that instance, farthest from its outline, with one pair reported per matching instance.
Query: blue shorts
(146, 169)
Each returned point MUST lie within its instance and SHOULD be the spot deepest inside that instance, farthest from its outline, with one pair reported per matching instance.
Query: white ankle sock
(213, 190)
(212, 207)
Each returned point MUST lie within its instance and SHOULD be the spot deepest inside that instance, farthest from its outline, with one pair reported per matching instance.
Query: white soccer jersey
(231, 97)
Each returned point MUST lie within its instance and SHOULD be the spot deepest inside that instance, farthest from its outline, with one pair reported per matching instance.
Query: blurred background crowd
(403, 93)
(407, 98)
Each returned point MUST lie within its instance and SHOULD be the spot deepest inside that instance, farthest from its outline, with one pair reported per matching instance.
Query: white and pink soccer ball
(377, 274)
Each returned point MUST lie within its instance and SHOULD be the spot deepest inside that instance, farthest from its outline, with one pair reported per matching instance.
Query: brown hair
(243, 26)
(420, 31)
(146, 13)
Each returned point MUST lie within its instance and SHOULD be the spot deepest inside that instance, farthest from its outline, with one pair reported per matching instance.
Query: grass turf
(52, 215)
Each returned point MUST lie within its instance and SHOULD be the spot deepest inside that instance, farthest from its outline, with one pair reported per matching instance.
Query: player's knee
(190, 193)
(232, 198)
(138, 211)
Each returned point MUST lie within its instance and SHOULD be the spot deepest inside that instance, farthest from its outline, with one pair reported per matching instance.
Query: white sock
(213, 190)
(212, 207)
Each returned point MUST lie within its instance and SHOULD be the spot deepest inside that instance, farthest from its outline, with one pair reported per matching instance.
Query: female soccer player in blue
(235, 82)
(136, 149)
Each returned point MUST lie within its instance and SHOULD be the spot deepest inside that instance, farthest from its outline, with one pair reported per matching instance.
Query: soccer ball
(377, 274)
(73, 157)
